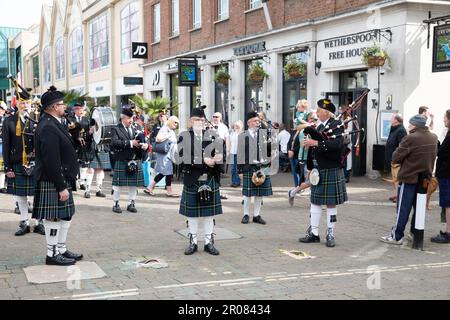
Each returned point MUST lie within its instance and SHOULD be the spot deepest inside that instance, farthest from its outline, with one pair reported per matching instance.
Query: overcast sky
(20, 13)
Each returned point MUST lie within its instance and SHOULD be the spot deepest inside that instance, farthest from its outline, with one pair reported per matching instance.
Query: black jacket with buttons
(12, 144)
(121, 146)
(329, 152)
(56, 159)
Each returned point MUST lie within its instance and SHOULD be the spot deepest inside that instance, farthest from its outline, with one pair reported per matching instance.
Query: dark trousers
(234, 171)
(406, 200)
(169, 178)
(295, 172)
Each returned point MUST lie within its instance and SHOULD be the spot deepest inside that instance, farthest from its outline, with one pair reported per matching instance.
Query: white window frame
(46, 64)
(157, 22)
(223, 9)
(196, 15)
(175, 30)
(255, 4)
(98, 45)
(60, 63)
(128, 33)
(76, 52)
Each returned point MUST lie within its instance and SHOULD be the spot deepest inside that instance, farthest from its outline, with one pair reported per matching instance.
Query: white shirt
(234, 142)
(223, 131)
(283, 140)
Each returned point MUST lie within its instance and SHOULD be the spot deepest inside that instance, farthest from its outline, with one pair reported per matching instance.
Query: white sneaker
(291, 196)
(390, 240)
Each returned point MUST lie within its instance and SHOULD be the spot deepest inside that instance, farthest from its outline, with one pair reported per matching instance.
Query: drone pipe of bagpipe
(207, 122)
(17, 85)
(329, 130)
(334, 136)
(27, 117)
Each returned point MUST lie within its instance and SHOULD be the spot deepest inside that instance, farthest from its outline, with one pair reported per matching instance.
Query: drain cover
(299, 255)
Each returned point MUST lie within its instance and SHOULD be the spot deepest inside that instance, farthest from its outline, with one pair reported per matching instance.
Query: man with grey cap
(416, 154)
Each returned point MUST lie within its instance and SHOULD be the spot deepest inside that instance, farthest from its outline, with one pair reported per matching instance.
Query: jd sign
(139, 50)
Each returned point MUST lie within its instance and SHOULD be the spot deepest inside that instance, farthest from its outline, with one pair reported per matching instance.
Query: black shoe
(116, 208)
(442, 237)
(39, 229)
(59, 260)
(16, 209)
(245, 219)
(100, 194)
(330, 238)
(4, 190)
(131, 207)
(258, 219)
(191, 249)
(310, 237)
(112, 192)
(223, 197)
(87, 195)
(211, 249)
(82, 187)
(73, 255)
(23, 229)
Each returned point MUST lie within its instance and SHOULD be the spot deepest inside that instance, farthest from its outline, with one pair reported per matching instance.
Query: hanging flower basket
(257, 73)
(374, 56)
(222, 76)
(294, 69)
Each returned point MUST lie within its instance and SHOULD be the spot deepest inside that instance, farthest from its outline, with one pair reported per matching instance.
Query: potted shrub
(257, 73)
(294, 68)
(374, 56)
(222, 76)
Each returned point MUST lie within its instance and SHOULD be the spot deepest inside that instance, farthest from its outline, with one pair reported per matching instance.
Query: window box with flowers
(256, 73)
(375, 56)
(294, 68)
(222, 76)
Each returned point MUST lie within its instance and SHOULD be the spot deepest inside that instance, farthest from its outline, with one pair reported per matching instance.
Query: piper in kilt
(254, 153)
(127, 147)
(200, 154)
(326, 156)
(18, 150)
(55, 173)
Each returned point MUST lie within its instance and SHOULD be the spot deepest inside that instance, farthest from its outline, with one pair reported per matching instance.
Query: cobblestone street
(253, 265)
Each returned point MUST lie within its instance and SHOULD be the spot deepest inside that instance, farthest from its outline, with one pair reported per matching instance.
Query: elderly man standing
(416, 155)
(396, 135)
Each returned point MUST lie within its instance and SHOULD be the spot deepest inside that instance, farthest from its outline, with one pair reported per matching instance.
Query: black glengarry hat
(198, 112)
(50, 97)
(127, 112)
(252, 114)
(326, 104)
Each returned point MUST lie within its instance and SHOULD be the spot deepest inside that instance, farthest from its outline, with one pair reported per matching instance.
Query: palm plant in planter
(375, 56)
(294, 68)
(222, 76)
(257, 73)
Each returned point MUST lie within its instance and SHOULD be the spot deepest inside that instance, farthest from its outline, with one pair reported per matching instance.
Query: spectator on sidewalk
(396, 135)
(424, 110)
(237, 127)
(416, 155)
(443, 175)
(283, 140)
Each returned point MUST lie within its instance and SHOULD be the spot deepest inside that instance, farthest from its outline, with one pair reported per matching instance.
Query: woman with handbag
(165, 140)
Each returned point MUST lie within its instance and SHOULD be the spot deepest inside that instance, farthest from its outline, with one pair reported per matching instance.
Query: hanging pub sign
(188, 73)
(441, 48)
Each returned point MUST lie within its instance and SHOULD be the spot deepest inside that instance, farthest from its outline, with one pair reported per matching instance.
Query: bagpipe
(333, 130)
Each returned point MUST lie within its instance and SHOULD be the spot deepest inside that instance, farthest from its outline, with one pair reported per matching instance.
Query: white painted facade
(410, 81)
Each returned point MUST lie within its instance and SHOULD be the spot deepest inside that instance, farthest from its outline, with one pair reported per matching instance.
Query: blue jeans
(406, 200)
(234, 172)
(295, 172)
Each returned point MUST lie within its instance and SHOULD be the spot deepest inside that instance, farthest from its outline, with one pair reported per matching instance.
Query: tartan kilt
(86, 155)
(22, 185)
(122, 179)
(101, 161)
(331, 189)
(46, 204)
(249, 189)
(189, 206)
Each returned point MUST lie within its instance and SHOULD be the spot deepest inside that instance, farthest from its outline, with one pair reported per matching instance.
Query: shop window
(130, 29)
(253, 91)
(76, 51)
(221, 93)
(60, 61)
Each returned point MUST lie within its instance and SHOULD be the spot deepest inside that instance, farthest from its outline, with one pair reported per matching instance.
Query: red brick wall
(239, 25)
